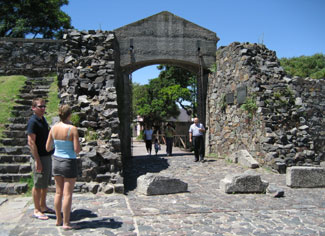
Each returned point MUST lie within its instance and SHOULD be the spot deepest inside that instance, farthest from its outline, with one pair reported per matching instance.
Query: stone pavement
(203, 210)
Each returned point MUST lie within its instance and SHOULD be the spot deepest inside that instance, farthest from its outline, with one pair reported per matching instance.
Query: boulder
(244, 158)
(151, 184)
(247, 182)
(275, 191)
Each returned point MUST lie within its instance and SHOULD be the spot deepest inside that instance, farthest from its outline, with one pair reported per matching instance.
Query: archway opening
(163, 94)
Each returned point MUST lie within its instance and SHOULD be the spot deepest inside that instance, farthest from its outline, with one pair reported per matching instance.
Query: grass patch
(9, 91)
(30, 183)
(53, 101)
(214, 156)
(75, 119)
(91, 135)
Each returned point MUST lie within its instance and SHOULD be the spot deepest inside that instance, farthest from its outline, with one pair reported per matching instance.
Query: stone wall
(85, 64)
(33, 57)
(285, 129)
(283, 122)
(87, 83)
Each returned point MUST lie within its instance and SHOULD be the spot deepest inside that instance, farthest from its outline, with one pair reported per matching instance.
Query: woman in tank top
(65, 139)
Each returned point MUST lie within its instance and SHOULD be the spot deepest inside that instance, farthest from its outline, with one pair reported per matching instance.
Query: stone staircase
(14, 151)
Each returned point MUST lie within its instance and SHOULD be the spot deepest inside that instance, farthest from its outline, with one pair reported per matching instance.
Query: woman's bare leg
(67, 200)
(59, 186)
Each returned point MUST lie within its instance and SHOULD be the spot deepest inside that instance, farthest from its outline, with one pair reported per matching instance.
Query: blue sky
(290, 27)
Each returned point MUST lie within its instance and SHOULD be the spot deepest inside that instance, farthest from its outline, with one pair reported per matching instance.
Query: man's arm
(34, 151)
(202, 129)
(49, 142)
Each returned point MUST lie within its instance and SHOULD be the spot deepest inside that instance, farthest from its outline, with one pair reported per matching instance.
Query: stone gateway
(248, 103)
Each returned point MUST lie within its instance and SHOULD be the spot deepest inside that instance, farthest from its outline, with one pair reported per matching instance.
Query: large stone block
(244, 158)
(247, 182)
(305, 177)
(151, 184)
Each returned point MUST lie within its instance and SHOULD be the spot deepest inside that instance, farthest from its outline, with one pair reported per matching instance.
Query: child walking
(157, 146)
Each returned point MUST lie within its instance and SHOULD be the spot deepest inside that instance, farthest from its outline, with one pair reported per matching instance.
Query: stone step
(27, 113)
(28, 88)
(14, 150)
(14, 141)
(15, 134)
(26, 102)
(40, 91)
(6, 168)
(13, 188)
(19, 125)
(22, 107)
(28, 96)
(15, 158)
(11, 178)
(39, 80)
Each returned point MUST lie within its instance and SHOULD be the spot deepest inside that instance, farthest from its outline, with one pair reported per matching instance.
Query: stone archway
(163, 38)
(93, 76)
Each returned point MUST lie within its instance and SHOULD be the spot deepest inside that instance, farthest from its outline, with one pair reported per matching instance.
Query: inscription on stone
(241, 94)
(230, 98)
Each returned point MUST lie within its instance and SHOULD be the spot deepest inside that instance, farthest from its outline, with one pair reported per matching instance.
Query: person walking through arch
(65, 139)
(148, 135)
(196, 133)
(169, 135)
(37, 133)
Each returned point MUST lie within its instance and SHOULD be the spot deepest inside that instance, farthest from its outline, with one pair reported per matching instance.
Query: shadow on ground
(141, 165)
(101, 223)
(80, 214)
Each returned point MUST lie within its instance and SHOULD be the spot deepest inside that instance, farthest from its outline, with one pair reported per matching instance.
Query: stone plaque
(230, 98)
(241, 94)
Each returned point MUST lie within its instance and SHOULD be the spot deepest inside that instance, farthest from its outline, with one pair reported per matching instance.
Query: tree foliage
(161, 98)
(305, 66)
(187, 81)
(44, 17)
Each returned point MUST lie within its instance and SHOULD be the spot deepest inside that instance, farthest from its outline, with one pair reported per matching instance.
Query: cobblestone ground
(203, 210)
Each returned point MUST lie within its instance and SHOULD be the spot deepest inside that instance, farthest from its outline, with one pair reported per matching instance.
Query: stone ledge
(305, 177)
(13, 188)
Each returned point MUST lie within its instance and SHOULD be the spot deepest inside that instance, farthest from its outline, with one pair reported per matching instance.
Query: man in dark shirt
(37, 131)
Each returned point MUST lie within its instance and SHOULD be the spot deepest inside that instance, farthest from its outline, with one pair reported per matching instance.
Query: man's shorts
(43, 179)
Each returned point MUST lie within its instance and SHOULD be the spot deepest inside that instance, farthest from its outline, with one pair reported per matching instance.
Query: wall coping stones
(305, 177)
(31, 40)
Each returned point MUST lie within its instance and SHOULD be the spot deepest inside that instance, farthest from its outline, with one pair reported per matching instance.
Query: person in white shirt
(196, 133)
(148, 133)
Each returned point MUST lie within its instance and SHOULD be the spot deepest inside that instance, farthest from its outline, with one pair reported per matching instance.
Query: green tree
(161, 98)
(172, 75)
(305, 66)
(153, 104)
(37, 17)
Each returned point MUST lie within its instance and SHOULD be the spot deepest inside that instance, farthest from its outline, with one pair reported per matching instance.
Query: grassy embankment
(9, 91)
(53, 101)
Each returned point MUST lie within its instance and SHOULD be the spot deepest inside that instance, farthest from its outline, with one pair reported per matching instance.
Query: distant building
(181, 123)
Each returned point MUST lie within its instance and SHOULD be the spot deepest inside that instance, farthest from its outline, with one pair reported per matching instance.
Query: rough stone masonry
(285, 129)
(285, 125)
